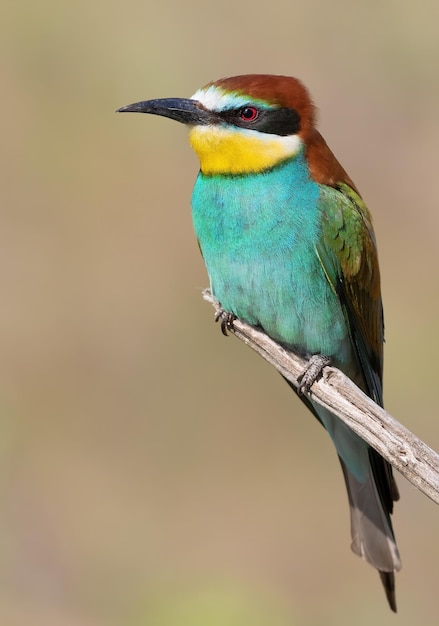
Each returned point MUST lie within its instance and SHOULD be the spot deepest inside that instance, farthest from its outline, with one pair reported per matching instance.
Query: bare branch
(335, 391)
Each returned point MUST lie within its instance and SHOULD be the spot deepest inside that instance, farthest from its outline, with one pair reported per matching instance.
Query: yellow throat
(225, 150)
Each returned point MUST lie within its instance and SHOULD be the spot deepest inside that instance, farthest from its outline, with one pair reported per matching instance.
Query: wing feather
(347, 251)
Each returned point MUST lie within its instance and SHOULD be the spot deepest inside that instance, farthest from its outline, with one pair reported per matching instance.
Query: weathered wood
(335, 391)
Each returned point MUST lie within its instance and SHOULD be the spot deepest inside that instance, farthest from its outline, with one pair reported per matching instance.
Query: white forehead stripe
(216, 99)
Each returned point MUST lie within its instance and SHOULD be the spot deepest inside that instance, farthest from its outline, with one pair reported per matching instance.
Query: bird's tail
(371, 527)
(371, 492)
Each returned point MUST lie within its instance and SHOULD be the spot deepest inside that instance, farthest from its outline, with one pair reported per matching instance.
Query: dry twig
(335, 391)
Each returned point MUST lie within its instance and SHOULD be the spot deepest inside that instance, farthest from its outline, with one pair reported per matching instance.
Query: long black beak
(181, 109)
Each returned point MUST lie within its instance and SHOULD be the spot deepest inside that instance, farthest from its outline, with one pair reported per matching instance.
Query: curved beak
(180, 109)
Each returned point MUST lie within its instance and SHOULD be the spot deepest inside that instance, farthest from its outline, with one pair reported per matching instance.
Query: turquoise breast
(257, 234)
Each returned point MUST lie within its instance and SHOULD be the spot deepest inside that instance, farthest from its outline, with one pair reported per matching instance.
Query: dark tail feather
(388, 580)
(371, 504)
(371, 529)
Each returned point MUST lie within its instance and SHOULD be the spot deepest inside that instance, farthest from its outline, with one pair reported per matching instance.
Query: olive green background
(152, 472)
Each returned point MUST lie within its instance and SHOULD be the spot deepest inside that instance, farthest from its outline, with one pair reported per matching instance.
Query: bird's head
(244, 124)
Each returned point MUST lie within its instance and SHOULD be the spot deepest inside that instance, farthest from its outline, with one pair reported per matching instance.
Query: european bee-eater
(289, 247)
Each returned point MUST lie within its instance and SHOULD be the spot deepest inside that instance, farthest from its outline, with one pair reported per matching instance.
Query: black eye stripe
(281, 122)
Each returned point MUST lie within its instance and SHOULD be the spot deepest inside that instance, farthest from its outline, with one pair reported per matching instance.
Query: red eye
(248, 114)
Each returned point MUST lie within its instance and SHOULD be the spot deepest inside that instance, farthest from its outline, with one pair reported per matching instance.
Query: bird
(289, 248)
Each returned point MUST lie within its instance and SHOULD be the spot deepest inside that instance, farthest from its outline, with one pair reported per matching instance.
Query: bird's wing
(348, 254)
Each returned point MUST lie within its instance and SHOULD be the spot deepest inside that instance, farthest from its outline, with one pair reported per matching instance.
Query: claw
(226, 318)
(312, 372)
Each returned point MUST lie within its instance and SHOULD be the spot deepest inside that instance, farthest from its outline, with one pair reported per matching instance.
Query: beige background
(153, 472)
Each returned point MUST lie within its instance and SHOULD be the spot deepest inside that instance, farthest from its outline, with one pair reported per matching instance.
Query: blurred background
(153, 472)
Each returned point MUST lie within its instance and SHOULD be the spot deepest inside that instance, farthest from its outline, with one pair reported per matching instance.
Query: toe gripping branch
(226, 318)
(312, 372)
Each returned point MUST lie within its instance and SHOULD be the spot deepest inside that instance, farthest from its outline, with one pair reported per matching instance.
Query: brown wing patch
(323, 166)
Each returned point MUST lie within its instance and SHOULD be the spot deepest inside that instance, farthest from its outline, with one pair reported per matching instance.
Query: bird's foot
(226, 318)
(312, 372)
